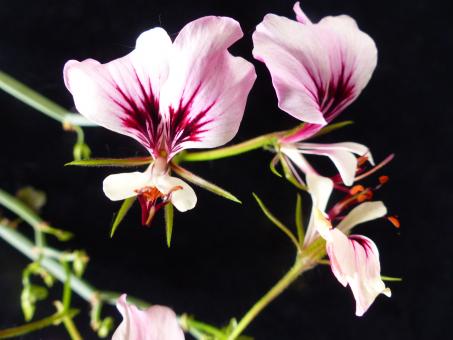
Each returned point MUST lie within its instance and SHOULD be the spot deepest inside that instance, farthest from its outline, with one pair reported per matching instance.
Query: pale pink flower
(154, 323)
(169, 96)
(317, 69)
(355, 259)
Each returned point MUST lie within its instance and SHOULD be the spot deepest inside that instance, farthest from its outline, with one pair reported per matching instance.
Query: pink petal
(341, 154)
(154, 323)
(123, 95)
(317, 69)
(355, 261)
(300, 15)
(207, 88)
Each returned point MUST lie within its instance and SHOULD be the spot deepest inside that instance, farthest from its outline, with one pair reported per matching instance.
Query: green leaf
(127, 204)
(168, 222)
(299, 222)
(390, 278)
(201, 182)
(332, 127)
(114, 162)
(276, 222)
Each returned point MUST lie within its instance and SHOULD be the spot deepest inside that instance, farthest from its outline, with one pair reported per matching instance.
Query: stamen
(383, 179)
(394, 220)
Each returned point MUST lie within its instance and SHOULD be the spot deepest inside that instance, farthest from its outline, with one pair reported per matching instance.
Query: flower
(317, 70)
(169, 96)
(154, 323)
(355, 259)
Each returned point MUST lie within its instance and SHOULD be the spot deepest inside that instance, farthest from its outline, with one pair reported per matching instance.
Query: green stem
(37, 101)
(78, 285)
(276, 290)
(233, 150)
(36, 325)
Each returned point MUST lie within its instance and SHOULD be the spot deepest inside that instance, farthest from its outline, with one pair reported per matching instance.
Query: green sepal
(298, 220)
(169, 212)
(112, 162)
(272, 165)
(125, 206)
(28, 298)
(289, 175)
(105, 327)
(277, 222)
(391, 278)
(201, 182)
(81, 151)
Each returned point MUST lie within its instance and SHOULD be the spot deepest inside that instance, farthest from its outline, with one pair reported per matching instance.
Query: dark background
(225, 256)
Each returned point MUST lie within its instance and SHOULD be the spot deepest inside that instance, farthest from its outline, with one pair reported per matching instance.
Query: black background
(225, 256)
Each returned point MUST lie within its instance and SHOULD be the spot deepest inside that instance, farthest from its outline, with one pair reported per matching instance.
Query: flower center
(148, 198)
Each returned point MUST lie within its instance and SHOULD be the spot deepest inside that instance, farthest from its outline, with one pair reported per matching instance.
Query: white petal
(183, 197)
(364, 212)
(320, 189)
(341, 154)
(297, 158)
(121, 186)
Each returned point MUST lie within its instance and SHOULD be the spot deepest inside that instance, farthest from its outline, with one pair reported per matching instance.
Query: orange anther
(396, 223)
(356, 189)
(367, 195)
(362, 160)
(383, 179)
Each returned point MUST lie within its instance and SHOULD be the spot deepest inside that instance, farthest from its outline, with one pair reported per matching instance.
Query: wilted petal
(182, 195)
(317, 69)
(207, 87)
(341, 154)
(355, 261)
(123, 95)
(121, 186)
(362, 213)
(154, 323)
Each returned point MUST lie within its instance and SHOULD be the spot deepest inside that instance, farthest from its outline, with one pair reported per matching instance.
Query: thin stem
(37, 101)
(78, 285)
(233, 150)
(36, 325)
(275, 291)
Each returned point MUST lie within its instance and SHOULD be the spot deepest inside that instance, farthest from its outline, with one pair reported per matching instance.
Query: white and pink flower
(169, 96)
(154, 323)
(354, 259)
(317, 70)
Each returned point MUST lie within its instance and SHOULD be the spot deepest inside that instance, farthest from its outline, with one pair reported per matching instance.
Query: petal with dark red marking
(207, 88)
(123, 95)
(317, 69)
